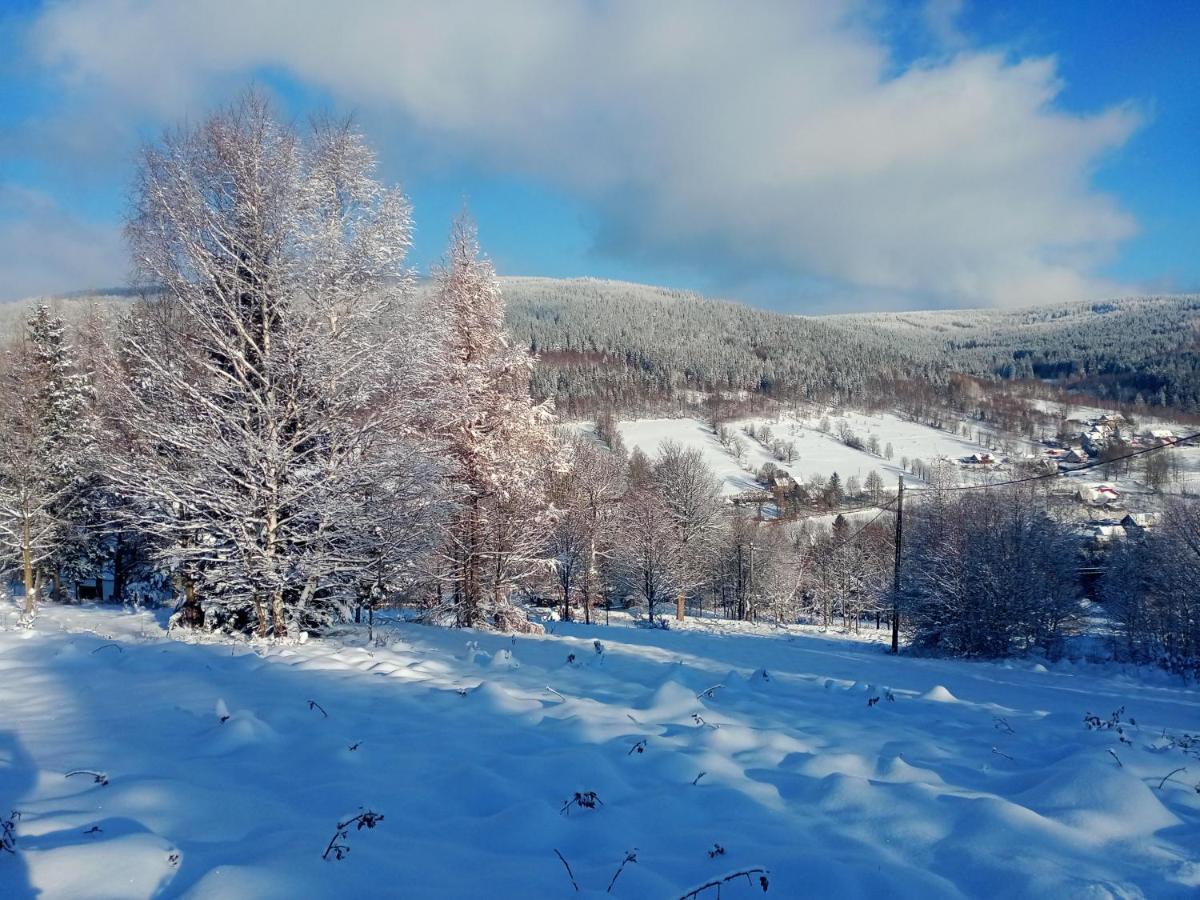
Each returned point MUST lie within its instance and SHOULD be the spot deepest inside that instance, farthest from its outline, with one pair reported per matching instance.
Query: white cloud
(771, 136)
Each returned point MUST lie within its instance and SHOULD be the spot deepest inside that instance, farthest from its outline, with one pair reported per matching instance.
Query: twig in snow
(1113, 754)
(8, 832)
(1000, 752)
(313, 704)
(1169, 774)
(716, 851)
(567, 866)
(699, 720)
(365, 819)
(582, 799)
(1001, 724)
(632, 719)
(696, 780)
(103, 646)
(630, 857)
(556, 694)
(354, 746)
(707, 693)
(98, 777)
(639, 747)
(763, 882)
(95, 829)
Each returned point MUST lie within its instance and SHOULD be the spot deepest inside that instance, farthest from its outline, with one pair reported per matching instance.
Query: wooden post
(679, 604)
(896, 572)
(751, 607)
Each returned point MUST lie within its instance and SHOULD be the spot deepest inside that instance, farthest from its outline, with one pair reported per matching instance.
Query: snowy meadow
(214, 769)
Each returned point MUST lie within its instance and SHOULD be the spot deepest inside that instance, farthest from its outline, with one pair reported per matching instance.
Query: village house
(1139, 523)
(979, 459)
(1098, 494)
(1158, 436)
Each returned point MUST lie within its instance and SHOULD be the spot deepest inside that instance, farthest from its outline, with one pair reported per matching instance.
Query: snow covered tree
(1149, 590)
(874, 486)
(986, 573)
(47, 458)
(499, 443)
(584, 496)
(649, 561)
(693, 498)
(269, 365)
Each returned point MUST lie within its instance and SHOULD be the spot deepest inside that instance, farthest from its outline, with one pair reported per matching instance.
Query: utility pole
(896, 572)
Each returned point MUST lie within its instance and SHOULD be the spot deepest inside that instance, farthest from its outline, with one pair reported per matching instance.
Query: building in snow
(1098, 494)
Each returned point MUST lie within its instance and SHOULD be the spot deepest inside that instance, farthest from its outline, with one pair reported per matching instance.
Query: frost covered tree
(47, 458)
(649, 561)
(874, 486)
(267, 367)
(1150, 590)
(693, 498)
(986, 573)
(585, 496)
(498, 441)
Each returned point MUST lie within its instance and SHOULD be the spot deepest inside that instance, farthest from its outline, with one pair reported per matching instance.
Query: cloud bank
(749, 137)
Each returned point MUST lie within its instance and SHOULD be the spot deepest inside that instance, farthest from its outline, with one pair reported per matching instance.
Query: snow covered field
(226, 779)
(818, 453)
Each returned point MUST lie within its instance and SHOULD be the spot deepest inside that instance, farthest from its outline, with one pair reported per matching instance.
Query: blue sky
(807, 157)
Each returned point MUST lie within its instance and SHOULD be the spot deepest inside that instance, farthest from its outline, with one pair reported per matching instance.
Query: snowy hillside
(222, 770)
(817, 453)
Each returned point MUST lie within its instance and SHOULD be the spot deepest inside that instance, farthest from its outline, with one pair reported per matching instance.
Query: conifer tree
(498, 441)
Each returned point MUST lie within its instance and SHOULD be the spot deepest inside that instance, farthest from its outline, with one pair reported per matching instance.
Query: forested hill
(1126, 349)
(622, 344)
(616, 344)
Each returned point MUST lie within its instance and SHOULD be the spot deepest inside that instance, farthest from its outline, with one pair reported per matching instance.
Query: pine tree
(47, 455)
(498, 440)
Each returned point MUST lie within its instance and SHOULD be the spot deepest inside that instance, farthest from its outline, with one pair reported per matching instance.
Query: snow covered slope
(228, 767)
(817, 453)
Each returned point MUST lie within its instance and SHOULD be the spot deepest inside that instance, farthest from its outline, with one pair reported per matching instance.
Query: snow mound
(938, 694)
(1100, 799)
(240, 730)
(672, 700)
(148, 862)
(501, 699)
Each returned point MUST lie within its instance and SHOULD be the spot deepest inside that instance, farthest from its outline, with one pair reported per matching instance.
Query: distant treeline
(622, 346)
(1129, 351)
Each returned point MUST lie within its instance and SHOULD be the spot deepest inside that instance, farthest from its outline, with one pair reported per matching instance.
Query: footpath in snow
(221, 770)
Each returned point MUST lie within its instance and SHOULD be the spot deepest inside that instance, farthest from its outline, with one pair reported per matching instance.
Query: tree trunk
(27, 567)
(193, 614)
(261, 615)
(277, 612)
(118, 591)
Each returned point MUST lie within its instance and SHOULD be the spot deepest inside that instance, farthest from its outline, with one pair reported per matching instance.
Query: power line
(850, 540)
(882, 508)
